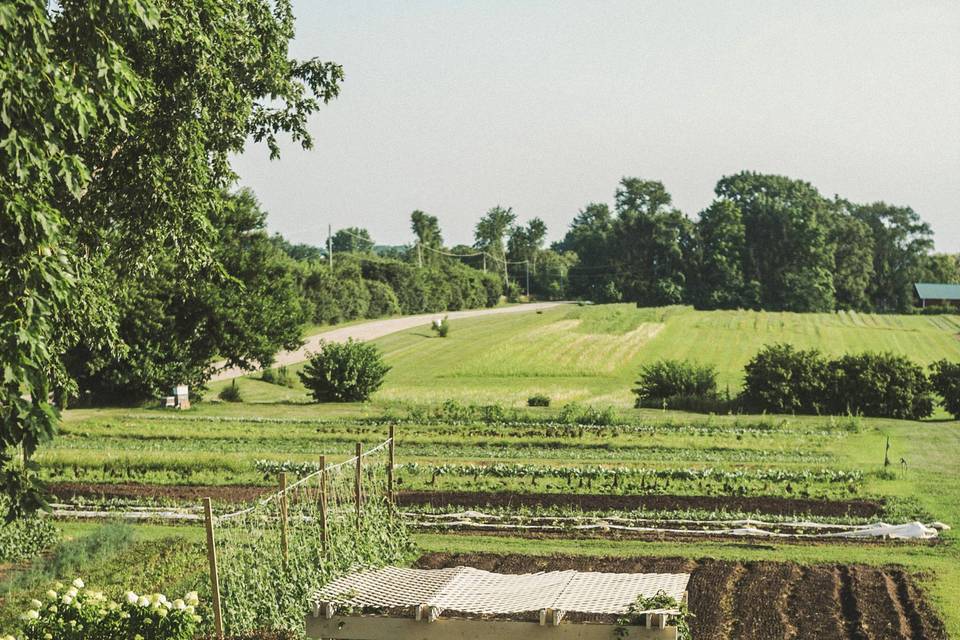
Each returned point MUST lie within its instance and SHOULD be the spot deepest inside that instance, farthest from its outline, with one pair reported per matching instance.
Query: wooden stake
(214, 575)
(390, 462)
(357, 487)
(323, 503)
(284, 547)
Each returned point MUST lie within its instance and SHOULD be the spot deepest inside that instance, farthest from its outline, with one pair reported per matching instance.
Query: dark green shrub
(879, 385)
(441, 327)
(279, 376)
(945, 378)
(574, 413)
(344, 371)
(538, 400)
(782, 379)
(231, 393)
(25, 538)
(383, 301)
(674, 379)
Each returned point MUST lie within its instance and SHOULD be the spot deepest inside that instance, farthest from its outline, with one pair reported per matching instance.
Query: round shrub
(344, 371)
(945, 377)
(666, 379)
(782, 379)
(231, 393)
(25, 538)
(538, 400)
(882, 385)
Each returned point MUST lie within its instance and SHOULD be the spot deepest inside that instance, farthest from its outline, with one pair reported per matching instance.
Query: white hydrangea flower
(143, 601)
(32, 614)
(192, 598)
(67, 598)
(78, 583)
(52, 595)
(132, 597)
(179, 604)
(35, 604)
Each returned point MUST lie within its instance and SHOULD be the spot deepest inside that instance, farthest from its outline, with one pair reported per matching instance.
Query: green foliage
(231, 393)
(352, 240)
(664, 380)
(783, 379)
(879, 384)
(112, 145)
(244, 312)
(441, 327)
(344, 372)
(79, 613)
(279, 376)
(26, 538)
(945, 379)
(383, 301)
(660, 600)
(538, 400)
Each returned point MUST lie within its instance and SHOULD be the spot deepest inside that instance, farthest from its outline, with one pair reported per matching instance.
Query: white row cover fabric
(471, 591)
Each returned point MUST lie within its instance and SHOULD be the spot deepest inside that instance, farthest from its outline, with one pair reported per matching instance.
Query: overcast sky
(454, 107)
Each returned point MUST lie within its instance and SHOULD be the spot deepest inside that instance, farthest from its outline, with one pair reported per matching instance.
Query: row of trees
(766, 242)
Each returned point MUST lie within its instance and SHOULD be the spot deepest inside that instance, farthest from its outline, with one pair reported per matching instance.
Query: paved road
(378, 328)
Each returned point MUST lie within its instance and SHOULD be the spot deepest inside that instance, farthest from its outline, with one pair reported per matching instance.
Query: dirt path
(377, 329)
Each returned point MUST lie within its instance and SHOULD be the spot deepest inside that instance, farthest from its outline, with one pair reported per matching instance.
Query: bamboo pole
(284, 545)
(357, 480)
(390, 462)
(323, 503)
(214, 575)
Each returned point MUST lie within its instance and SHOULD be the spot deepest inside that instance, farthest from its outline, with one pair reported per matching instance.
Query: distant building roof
(928, 291)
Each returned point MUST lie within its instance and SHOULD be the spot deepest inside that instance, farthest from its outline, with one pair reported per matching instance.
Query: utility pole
(330, 246)
(527, 263)
(484, 261)
(420, 254)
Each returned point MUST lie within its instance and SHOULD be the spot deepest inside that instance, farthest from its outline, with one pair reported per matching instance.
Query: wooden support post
(214, 576)
(390, 462)
(323, 503)
(357, 482)
(284, 546)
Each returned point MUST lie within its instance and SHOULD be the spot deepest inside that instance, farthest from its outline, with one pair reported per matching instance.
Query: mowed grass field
(592, 354)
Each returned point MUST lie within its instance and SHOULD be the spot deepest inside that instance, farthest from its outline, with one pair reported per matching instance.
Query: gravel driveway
(378, 328)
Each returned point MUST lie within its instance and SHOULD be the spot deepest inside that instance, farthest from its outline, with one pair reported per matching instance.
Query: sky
(455, 107)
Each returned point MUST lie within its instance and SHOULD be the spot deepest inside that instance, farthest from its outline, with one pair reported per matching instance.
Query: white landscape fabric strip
(474, 591)
(474, 519)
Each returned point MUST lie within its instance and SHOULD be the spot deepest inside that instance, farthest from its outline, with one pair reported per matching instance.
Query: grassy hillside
(592, 354)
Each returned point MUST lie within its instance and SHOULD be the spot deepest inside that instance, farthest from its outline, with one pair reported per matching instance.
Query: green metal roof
(928, 291)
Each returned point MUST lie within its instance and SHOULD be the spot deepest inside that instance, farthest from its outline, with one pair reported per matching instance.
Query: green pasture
(593, 353)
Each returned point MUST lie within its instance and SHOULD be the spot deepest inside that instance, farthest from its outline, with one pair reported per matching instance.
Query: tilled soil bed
(760, 600)
(473, 500)
(606, 502)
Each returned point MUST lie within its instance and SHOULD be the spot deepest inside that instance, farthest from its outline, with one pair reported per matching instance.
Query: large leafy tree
(650, 239)
(429, 239)
(901, 243)
(244, 311)
(489, 234)
(117, 124)
(352, 240)
(526, 242)
(721, 238)
(788, 253)
(589, 239)
(852, 246)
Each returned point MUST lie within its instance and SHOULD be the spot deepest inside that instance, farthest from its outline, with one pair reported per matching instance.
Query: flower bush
(78, 613)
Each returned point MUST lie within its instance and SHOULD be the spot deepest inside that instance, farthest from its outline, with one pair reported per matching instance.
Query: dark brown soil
(757, 600)
(603, 502)
(232, 493)
(585, 502)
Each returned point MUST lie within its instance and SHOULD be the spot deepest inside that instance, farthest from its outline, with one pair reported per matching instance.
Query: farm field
(464, 444)
(593, 353)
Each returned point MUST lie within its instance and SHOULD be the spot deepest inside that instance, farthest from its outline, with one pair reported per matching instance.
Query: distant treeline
(766, 242)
